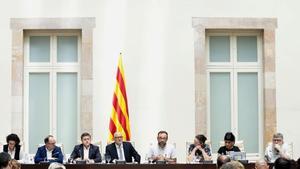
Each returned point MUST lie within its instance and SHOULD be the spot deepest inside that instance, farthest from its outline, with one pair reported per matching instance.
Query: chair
(238, 143)
(1, 146)
(187, 146)
(133, 143)
(99, 144)
(291, 149)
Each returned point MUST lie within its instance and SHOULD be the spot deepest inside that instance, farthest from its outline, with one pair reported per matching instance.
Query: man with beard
(162, 151)
(278, 148)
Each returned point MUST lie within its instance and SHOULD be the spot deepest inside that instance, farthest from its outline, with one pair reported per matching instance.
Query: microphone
(267, 158)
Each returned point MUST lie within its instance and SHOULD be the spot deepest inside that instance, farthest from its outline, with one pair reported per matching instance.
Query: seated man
(86, 150)
(162, 151)
(49, 152)
(277, 149)
(229, 140)
(121, 150)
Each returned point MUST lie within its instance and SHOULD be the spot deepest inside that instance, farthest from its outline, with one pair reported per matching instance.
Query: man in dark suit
(121, 150)
(49, 152)
(86, 150)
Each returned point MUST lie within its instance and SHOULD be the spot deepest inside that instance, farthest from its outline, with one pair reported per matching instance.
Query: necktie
(121, 153)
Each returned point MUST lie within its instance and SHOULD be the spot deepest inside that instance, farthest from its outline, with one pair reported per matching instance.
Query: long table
(132, 166)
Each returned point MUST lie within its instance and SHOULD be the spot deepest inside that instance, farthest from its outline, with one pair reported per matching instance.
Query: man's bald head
(222, 159)
(261, 164)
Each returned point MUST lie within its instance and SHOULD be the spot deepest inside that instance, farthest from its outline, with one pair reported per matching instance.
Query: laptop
(237, 156)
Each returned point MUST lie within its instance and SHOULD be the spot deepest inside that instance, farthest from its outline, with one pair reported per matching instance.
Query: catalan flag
(119, 119)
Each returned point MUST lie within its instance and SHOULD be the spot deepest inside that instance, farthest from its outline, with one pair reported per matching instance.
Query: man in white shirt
(162, 151)
(276, 149)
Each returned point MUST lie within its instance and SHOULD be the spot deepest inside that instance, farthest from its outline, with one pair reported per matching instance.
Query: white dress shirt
(86, 152)
(49, 154)
(12, 155)
(168, 151)
(120, 151)
(271, 154)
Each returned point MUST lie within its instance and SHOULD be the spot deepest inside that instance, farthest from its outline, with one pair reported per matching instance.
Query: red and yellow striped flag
(119, 119)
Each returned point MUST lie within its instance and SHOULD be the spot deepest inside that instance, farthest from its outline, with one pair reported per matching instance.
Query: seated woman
(13, 147)
(199, 150)
(229, 140)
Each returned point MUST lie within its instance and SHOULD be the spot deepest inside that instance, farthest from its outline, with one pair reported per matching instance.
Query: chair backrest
(1, 146)
(291, 149)
(238, 143)
(22, 145)
(99, 144)
(187, 146)
(133, 143)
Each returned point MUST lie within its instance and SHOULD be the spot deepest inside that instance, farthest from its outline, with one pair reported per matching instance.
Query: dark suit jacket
(94, 153)
(41, 155)
(129, 152)
(17, 153)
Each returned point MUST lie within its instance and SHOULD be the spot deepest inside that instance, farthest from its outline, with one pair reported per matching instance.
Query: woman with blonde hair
(14, 164)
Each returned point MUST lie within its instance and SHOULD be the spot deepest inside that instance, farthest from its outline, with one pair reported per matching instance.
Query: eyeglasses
(277, 140)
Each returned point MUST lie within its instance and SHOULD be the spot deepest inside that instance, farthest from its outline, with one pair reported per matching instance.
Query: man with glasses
(276, 149)
(49, 152)
(121, 150)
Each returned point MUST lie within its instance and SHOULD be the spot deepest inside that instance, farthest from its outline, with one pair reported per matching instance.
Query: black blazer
(129, 152)
(17, 153)
(94, 153)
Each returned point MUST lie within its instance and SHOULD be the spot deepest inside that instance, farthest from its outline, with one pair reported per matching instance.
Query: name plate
(120, 162)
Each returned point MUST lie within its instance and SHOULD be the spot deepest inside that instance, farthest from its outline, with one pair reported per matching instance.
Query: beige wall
(156, 38)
